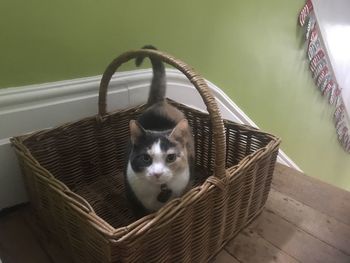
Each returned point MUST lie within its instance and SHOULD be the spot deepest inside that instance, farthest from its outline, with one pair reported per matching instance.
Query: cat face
(158, 157)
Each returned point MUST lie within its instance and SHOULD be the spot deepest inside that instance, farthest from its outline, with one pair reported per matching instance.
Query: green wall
(252, 49)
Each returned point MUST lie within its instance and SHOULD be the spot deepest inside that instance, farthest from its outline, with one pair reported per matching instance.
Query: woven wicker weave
(74, 179)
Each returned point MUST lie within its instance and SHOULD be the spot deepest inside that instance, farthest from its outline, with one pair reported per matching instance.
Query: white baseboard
(35, 107)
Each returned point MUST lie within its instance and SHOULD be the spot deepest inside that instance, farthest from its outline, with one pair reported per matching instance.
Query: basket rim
(156, 219)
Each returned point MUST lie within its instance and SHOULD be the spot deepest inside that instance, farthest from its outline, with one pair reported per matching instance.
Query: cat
(161, 152)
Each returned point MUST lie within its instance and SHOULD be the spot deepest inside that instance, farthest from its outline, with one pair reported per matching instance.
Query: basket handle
(194, 78)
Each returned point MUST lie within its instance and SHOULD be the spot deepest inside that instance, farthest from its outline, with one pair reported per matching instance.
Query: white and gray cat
(161, 155)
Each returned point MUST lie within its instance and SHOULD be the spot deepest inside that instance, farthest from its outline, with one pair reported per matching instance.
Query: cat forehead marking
(155, 149)
(160, 148)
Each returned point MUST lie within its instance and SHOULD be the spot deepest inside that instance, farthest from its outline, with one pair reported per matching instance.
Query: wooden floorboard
(315, 223)
(250, 247)
(55, 254)
(224, 257)
(305, 220)
(17, 242)
(310, 191)
(295, 242)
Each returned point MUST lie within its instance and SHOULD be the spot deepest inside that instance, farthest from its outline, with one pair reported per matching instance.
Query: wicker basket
(73, 174)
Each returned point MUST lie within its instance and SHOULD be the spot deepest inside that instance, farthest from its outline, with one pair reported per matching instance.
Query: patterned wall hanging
(323, 75)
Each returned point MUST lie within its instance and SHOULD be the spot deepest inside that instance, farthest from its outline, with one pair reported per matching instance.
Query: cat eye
(171, 158)
(147, 159)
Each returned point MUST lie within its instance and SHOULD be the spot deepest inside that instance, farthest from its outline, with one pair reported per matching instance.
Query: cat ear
(180, 132)
(136, 131)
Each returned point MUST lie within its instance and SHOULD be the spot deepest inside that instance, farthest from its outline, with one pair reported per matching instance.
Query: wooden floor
(305, 220)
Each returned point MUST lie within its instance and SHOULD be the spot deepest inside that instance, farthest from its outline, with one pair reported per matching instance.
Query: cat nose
(157, 175)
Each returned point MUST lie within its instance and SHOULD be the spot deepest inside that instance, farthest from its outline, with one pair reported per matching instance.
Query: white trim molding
(35, 107)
